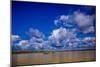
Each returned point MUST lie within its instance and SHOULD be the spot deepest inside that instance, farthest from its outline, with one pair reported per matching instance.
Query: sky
(46, 26)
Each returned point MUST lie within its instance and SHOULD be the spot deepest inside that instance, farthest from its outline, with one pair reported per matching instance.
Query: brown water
(53, 57)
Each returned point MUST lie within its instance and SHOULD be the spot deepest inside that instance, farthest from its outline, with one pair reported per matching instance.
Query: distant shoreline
(24, 51)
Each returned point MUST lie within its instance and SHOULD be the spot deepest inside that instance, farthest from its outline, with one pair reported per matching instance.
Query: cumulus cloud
(14, 42)
(90, 40)
(64, 20)
(57, 35)
(84, 22)
(35, 33)
(61, 31)
(24, 44)
(36, 39)
(67, 37)
(15, 38)
(36, 43)
(61, 18)
(90, 29)
(63, 37)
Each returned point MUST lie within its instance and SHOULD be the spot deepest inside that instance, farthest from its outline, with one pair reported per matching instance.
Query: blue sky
(41, 16)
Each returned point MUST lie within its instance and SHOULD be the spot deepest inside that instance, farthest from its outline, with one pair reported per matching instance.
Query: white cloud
(84, 22)
(36, 43)
(61, 31)
(90, 29)
(35, 33)
(89, 41)
(89, 38)
(24, 44)
(64, 20)
(36, 39)
(63, 37)
(15, 38)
